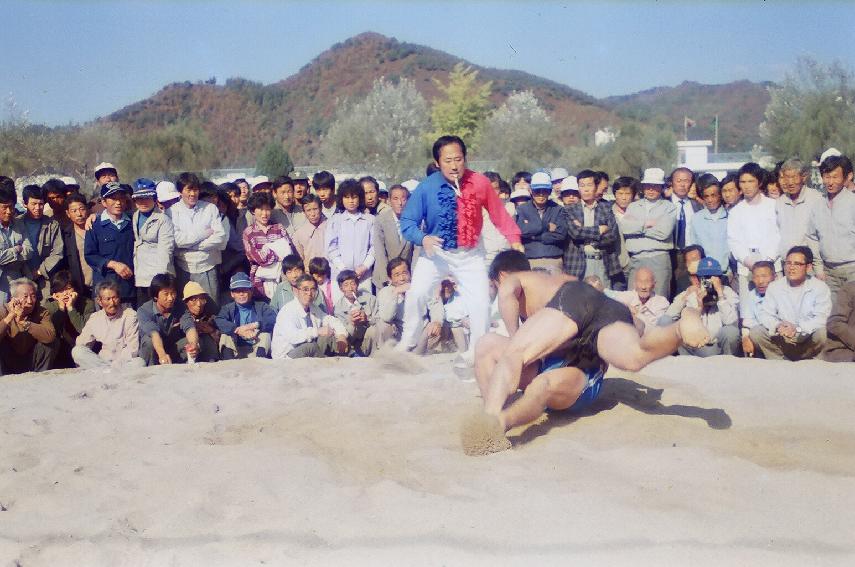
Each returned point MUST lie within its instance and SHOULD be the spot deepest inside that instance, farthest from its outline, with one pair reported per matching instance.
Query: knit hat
(240, 281)
(192, 289)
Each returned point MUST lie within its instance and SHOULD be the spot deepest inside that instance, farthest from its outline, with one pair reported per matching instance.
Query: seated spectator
(286, 291)
(310, 238)
(304, 331)
(69, 310)
(110, 337)
(456, 322)
(109, 244)
(27, 337)
(265, 245)
(43, 234)
(246, 325)
(202, 311)
(154, 238)
(795, 312)
(319, 268)
(167, 336)
(357, 311)
(841, 327)
(349, 235)
(750, 305)
(718, 304)
(73, 241)
(543, 225)
(642, 300)
(390, 309)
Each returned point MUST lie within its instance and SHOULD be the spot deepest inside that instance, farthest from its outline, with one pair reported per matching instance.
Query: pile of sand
(716, 461)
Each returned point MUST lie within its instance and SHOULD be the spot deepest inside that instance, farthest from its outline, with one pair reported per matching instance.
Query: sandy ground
(710, 462)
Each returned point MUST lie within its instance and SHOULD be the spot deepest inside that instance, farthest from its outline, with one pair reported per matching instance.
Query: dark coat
(538, 240)
(71, 255)
(607, 244)
(228, 319)
(841, 326)
(104, 242)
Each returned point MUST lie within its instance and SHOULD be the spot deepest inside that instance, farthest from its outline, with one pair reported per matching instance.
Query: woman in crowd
(349, 243)
(265, 245)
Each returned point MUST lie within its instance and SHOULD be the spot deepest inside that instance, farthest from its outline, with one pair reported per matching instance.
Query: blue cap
(239, 281)
(144, 189)
(111, 188)
(709, 267)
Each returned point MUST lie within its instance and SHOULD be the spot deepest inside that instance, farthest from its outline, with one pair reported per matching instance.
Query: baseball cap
(144, 189)
(541, 181)
(104, 165)
(166, 192)
(111, 188)
(240, 281)
(708, 267)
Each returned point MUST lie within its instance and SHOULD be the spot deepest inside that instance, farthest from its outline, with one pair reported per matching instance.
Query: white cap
(166, 192)
(410, 184)
(653, 176)
(381, 187)
(104, 165)
(520, 193)
(828, 153)
(558, 173)
(569, 183)
(69, 180)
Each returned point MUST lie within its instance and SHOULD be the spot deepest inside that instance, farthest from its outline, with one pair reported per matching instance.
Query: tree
(182, 146)
(273, 161)
(383, 133)
(637, 147)
(463, 106)
(519, 135)
(812, 110)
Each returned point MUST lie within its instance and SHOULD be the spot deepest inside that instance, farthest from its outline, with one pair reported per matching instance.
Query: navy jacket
(103, 243)
(539, 242)
(228, 319)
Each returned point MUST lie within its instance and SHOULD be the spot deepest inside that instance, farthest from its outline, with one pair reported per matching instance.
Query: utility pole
(716, 134)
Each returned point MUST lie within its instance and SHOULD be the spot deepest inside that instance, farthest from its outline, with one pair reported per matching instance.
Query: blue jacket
(538, 240)
(103, 243)
(228, 319)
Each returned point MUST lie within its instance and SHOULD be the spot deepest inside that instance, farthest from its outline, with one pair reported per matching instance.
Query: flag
(688, 122)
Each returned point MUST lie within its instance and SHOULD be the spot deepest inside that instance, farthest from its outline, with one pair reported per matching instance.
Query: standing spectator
(371, 187)
(625, 190)
(109, 244)
(642, 300)
(357, 311)
(556, 176)
(841, 326)
(831, 225)
(110, 337)
(246, 325)
(55, 195)
(27, 337)
(200, 311)
(73, 242)
(349, 242)
(648, 229)
(234, 256)
(167, 195)
(243, 197)
(301, 186)
(731, 194)
(45, 239)
(167, 337)
(324, 184)
(199, 237)
(154, 238)
(265, 245)
(543, 226)
(593, 231)
(287, 213)
(569, 191)
(310, 239)
(388, 240)
(794, 208)
(709, 226)
(795, 312)
(304, 331)
(752, 225)
(444, 216)
(603, 186)
(682, 180)
(69, 310)
(751, 304)
(15, 248)
(390, 309)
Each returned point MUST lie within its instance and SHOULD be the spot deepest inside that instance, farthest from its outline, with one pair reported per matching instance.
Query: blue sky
(72, 61)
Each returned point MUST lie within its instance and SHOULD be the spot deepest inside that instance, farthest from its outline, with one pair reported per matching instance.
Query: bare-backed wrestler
(558, 355)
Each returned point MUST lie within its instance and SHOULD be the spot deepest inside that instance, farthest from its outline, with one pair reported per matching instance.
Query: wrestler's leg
(541, 334)
(487, 352)
(620, 345)
(555, 389)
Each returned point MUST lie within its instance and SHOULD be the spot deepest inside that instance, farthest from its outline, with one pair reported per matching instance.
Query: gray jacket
(643, 240)
(390, 310)
(15, 250)
(388, 244)
(154, 245)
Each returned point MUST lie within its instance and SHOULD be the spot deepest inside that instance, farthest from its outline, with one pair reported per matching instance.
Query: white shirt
(752, 232)
(197, 251)
(292, 329)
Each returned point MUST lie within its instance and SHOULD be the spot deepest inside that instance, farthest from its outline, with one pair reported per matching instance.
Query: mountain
(241, 116)
(739, 105)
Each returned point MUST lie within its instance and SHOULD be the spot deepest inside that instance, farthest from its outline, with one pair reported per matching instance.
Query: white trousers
(85, 358)
(469, 270)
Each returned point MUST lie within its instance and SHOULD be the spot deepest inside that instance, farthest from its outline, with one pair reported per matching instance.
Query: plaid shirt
(254, 238)
(607, 244)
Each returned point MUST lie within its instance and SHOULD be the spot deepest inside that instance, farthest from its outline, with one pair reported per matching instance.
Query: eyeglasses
(796, 264)
(307, 289)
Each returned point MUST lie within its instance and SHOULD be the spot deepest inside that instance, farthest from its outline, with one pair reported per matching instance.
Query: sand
(720, 461)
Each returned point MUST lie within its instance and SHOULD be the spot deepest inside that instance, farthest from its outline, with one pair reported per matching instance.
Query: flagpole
(685, 127)
(716, 133)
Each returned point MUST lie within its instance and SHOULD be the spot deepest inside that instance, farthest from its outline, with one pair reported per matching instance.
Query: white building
(695, 154)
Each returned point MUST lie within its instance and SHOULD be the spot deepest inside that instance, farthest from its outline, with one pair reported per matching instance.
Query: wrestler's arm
(510, 291)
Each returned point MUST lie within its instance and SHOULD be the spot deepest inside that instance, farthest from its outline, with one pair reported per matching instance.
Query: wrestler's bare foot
(482, 434)
(691, 329)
